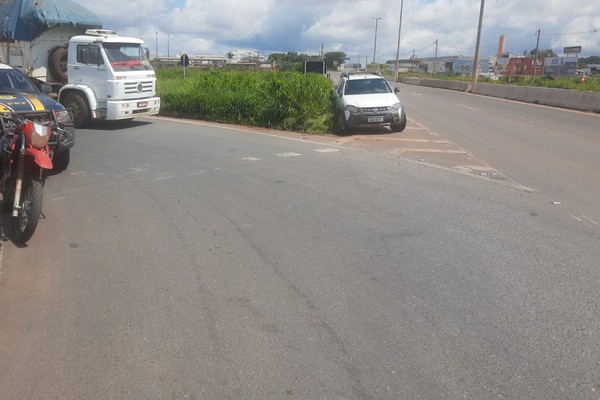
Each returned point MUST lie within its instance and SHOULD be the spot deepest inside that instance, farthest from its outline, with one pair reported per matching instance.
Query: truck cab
(109, 77)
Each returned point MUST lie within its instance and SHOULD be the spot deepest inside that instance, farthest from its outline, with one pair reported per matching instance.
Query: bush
(278, 100)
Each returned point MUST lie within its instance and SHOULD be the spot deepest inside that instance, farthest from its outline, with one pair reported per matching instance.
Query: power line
(573, 33)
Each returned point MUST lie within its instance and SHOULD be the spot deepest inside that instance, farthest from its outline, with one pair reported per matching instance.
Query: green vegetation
(540, 53)
(292, 61)
(570, 82)
(585, 61)
(286, 100)
(278, 100)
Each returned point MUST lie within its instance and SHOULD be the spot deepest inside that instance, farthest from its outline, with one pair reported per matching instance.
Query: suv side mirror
(396, 90)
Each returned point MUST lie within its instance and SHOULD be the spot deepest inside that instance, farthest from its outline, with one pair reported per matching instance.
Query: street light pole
(398, 48)
(375, 45)
(537, 50)
(476, 60)
(435, 58)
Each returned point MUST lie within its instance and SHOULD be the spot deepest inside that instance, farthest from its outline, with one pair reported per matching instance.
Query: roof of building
(27, 19)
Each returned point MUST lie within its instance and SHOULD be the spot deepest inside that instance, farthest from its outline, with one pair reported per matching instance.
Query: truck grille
(139, 87)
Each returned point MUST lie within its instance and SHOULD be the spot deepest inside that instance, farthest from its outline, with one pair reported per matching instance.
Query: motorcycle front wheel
(30, 209)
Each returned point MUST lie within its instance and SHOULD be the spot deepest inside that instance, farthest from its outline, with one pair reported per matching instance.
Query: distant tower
(502, 45)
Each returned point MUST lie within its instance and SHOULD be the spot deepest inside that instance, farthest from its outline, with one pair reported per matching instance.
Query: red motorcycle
(26, 156)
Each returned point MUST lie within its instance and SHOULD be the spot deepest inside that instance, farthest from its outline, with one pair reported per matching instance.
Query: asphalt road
(187, 260)
(550, 150)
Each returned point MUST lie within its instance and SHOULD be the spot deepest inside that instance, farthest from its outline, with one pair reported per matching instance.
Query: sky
(217, 27)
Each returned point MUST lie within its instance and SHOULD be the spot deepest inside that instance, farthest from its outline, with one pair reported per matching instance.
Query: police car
(18, 94)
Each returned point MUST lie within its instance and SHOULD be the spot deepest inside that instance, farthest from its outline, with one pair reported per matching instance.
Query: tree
(334, 59)
(230, 55)
(289, 61)
(585, 61)
(290, 56)
(542, 53)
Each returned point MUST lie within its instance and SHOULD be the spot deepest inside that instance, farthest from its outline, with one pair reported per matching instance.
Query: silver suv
(367, 99)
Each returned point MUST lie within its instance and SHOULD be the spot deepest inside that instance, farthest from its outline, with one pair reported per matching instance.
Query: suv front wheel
(399, 127)
(340, 126)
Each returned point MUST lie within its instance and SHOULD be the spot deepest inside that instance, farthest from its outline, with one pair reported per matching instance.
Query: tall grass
(570, 82)
(560, 82)
(278, 100)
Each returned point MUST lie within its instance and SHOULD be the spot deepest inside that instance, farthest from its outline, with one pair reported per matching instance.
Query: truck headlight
(396, 107)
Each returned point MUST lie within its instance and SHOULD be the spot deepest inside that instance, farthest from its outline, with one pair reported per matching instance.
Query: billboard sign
(314, 66)
(572, 50)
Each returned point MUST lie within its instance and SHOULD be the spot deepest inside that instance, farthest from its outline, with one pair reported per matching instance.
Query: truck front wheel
(79, 109)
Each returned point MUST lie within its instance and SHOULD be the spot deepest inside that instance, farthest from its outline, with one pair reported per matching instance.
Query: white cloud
(219, 26)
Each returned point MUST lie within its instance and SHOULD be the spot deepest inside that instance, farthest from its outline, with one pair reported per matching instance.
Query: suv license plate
(142, 104)
(375, 119)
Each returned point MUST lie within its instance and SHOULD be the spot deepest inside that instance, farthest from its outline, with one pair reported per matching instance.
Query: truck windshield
(126, 57)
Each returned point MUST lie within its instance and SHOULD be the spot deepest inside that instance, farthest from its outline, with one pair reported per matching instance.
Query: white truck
(94, 72)
(108, 77)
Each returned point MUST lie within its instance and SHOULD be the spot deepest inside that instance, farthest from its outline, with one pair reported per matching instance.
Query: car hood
(371, 100)
(23, 102)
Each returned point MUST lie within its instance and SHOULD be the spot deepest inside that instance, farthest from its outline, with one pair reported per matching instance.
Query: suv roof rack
(347, 74)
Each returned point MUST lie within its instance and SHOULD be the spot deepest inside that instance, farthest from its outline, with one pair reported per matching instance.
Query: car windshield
(367, 86)
(126, 57)
(12, 81)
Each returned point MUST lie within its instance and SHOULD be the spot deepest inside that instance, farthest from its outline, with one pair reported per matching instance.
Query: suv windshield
(126, 57)
(367, 86)
(13, 81)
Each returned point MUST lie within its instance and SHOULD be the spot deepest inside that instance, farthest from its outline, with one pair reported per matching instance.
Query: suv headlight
(63, 117)
(352, 109)
(396, 107)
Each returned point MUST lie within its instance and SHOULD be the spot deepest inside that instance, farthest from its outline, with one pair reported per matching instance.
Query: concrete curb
(582, 100)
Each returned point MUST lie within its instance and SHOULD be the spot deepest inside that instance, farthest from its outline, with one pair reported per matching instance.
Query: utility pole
(476, 60)
(537, 50)
(168, 43)
(435, 58)
(156, 48)
(375, 45)
(398, 47)
(413, 61)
